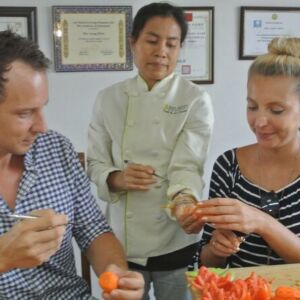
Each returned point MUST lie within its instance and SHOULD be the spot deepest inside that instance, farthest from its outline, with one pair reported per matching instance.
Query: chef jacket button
(155, 153)
(156, 121)
(131, 123)
(162, 94)
(127, 153)
(129, 215)
(158, 217)
(157, 186)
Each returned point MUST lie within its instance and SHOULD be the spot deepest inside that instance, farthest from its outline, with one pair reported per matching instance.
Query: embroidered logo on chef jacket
(175, 109)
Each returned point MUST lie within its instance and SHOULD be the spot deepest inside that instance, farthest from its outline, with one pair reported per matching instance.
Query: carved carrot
(108, 281)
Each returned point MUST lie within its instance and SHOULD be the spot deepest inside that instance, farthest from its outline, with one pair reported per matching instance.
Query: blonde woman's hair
(282, 59)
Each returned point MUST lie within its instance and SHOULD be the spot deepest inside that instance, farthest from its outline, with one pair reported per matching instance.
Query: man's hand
(130, 285)
(32, 241)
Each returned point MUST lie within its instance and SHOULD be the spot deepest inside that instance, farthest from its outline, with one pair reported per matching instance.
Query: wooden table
(287, 274)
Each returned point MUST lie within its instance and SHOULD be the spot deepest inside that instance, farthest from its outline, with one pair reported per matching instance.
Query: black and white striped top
(227, 181)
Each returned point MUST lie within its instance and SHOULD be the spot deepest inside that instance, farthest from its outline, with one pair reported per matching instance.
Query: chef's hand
(184, 208)
(134, 177)
(31, 242)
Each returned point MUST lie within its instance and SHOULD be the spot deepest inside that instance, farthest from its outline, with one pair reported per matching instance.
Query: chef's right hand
(134, 177)
(31, 242)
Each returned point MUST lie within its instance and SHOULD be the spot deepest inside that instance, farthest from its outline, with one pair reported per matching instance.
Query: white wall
(72, 94)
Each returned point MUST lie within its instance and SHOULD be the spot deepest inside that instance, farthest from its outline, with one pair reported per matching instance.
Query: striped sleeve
(223, 175)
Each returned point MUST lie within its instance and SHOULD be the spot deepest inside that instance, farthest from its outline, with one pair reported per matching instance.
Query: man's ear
(131, 42)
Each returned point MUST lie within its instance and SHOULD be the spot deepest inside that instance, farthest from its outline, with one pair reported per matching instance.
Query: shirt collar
(30, 157)
(159, 86)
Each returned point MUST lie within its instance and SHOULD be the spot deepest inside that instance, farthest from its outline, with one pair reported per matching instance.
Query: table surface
(287, 274)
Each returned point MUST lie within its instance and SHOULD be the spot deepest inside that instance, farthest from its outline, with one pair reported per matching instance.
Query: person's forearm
(208, 259)
(3, 262)
(3, 266)
(283, 241)
(105, 250)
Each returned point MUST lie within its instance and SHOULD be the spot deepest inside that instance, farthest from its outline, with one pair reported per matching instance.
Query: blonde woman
(255, 189)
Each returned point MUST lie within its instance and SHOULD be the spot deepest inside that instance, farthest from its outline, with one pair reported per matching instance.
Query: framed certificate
(21, 20)
(196, 59)
(92, 38)
(259, 25)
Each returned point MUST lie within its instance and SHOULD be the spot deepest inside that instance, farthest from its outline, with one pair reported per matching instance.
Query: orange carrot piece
(262, 294)
(286, 292)
(108, 281)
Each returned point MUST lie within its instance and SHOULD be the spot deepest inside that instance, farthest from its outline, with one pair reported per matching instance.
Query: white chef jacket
(168, 128)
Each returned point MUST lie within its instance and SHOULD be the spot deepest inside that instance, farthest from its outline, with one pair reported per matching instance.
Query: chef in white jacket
(147, 143)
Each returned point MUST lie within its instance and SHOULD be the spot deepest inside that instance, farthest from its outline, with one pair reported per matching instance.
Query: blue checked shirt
(53, 178)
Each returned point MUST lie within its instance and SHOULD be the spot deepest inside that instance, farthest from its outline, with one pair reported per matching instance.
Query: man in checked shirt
(40, 175)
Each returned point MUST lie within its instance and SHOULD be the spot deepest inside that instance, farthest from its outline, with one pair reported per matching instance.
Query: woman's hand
(232, 214)
(134, 177)
(224, 243)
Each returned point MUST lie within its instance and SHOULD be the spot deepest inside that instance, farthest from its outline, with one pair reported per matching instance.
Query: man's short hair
(14, 47)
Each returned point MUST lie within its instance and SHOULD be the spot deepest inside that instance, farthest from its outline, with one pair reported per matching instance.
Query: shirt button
(154, 153)
(156, 121)
(131, 123)
(159, 217)
(127, 154)
(129, 215)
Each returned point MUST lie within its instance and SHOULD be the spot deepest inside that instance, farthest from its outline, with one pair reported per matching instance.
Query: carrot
(286, 292)
(261, 294)
(108, 281)
(214, 287)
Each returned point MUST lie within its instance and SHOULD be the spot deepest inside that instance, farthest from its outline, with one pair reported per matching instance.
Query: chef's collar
(159, 86)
